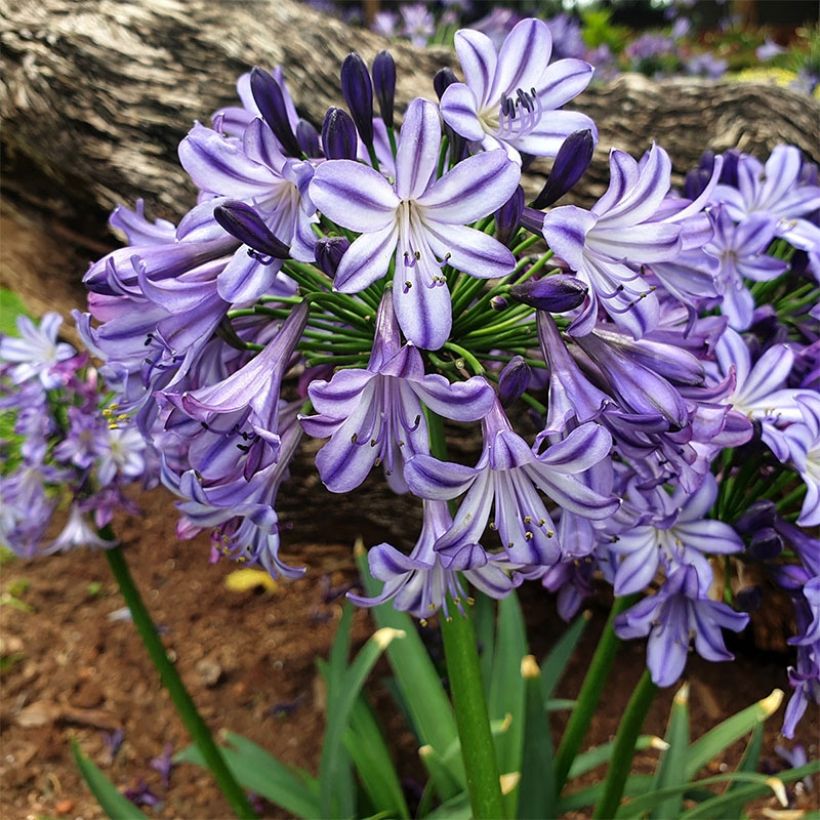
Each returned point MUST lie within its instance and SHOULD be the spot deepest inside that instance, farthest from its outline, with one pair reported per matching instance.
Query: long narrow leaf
(484, 618)
(418, 681)
(748, 763)
(555, 664)
(536, 792)
(339, 709)
(443, 776)
(672, 765)
(294, 791)
(716, 740)
(598, 755)
(112, 802)
(507, 691)
(636, 784)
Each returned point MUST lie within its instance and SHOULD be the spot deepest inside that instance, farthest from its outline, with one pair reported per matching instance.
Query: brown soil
(74, 670)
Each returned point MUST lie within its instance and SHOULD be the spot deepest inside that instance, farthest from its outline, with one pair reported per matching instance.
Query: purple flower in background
(386, 23)
(804, 445)
(706, 65)
(742, 252)
(671, 617)
(683, 539)
(607, 245)
(509, 99)
(376, 415)
(78, 532)
(418, 24)
(418, 583)
(421, 223)
(507, 478)
(768, 50)
(36, 352)
(497, 24)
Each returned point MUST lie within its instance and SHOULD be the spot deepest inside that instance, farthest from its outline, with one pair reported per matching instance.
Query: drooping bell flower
(421, 222)
(509, 99)
(506, 479)
(375, 416)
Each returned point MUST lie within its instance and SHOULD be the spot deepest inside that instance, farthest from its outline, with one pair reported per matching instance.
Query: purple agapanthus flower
(419, 583)
(678, 611)
(742, 252)
(607, 245)
(804, 446)
(376, 415)
(509, 99)
(36, 352)
(507, 478)
(685, 538)
(420, 222)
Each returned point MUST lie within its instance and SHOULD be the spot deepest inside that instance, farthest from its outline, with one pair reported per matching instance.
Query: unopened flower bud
(308, 138)
(243, 222)
(554, 294)
(384, 84)
(270, 101)
(765, 545)
(444, 78)
(513, 380)
(760, 515)
(357, 89)
(499, 303)
(329, 252)
(508, 217)
(570, 164)
(339, 135)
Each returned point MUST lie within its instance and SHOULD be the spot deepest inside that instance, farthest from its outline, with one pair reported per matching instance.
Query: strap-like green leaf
(112, 802)
(598, 755)
(258, 771)
(672, 766)
(555, 663)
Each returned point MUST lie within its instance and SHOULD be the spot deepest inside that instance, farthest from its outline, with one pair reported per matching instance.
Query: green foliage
(599, 30)
(11, 306)
(112, 802)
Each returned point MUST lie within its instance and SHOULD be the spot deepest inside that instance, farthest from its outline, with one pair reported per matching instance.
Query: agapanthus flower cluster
(67, 457)
(641, 372)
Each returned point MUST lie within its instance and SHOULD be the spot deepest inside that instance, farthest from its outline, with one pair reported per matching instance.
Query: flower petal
(477, 56)
(460, 111)
(522, 59)
(419, 143)
(366, 260)
(561, 82)
(470, 251)
(431, 478)
(546, 139)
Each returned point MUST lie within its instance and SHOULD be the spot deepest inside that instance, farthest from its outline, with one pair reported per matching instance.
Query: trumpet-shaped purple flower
(420, 221)
(683, 539)
(78, 531)
(671, 617)
(36, 352)
(758, 392)
(742, 253)
(607, 245)
(419, 583)
(509, 99)
(507, 478)
(804, 445)
(376, 415)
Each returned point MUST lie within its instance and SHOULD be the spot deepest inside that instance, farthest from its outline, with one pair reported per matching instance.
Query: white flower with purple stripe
(36, 352)
(804, 445)
(509, 99)
(420, 221)
(608, 244)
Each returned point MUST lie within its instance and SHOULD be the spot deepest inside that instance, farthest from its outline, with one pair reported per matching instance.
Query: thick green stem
(173, 683)
(624, 749)
(477, 748)
(469, 703)
(591, 689)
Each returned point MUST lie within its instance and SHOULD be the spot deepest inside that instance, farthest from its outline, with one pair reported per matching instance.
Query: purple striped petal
(366, 260)
(462, 401)
(339, 397)
(546, 139)
(221, 167)
(761, 268)
(353, 195)
(623, 177)
(470, 251)
(581, 449)
(522, 59)
(650, 242)
(478, 59)
(561, 82)
(460, 111)
(645, 197)
(422, 305)
(477, 186)
(565, 230)
(417, 156)
(431, 478)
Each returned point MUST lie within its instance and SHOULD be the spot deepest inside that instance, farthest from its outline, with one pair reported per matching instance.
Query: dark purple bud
(270, 100)
(728, 173)
(508, 216)
(329, 252)
(513, 380)
(339, 135)
(765, 545)
(384, 84)
(570, 164)
(308, 138)
(554, 294)
(358, 93)
(760, 515)
(242, 221)
(444, 78)
(698, 178)
(533, 220)
(499, 303)
(749, 599)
